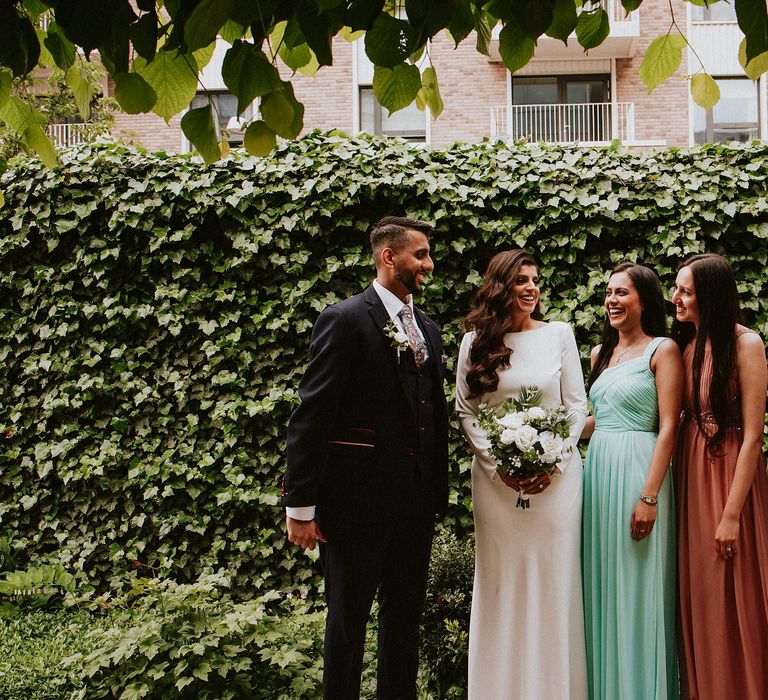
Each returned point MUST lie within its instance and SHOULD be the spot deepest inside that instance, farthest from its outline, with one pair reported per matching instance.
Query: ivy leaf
(431, 91)
(592, 28)
(704, 90)
(388, 42)
(247, 72)
(662, 58)
(395, 88)
(564, 20)
(173, 77)
(81, 89)
(198, 126)
(757, 66)
(205, 21)
(134, 94)
(259, 139)
(752, 16)
(62, 49)
(515, 46)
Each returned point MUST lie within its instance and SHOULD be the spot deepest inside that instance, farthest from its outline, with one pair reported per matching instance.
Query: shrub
(192, 641)
(33, 647)
(445, 626)
(155, 315)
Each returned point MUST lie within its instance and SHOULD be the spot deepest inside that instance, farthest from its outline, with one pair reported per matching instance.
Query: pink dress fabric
(723, 604)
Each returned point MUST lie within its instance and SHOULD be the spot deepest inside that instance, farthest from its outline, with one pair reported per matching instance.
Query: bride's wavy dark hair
(490, 319)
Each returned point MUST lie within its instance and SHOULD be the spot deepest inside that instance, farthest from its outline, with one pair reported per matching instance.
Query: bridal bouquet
(525, 438)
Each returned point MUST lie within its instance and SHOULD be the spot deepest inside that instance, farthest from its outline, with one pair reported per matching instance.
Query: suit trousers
(360, 559)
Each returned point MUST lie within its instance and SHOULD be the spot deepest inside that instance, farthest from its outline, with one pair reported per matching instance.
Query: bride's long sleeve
(467, 408)
(572, 392)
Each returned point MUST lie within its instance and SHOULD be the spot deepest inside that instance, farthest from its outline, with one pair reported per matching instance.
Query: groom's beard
(409, 280)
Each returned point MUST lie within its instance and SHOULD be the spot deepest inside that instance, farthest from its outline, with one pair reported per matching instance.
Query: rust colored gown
(723, 604)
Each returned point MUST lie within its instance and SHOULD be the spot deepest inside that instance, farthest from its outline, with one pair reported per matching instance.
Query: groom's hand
(304, 533)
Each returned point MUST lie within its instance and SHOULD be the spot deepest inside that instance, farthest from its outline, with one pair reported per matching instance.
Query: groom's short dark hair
(392, 232)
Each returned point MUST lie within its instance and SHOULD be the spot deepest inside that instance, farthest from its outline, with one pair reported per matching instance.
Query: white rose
(525, 438)
(536, 413)
(512, 420)
(508, 436)
(401, 338)
(551, 445)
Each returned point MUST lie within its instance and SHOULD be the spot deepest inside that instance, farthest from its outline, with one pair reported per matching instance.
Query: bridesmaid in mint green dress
(628, 541)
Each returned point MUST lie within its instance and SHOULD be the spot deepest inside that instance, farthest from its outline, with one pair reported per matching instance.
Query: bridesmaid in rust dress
(722, 489)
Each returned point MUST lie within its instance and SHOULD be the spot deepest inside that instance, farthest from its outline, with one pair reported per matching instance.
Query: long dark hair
(652, 319)
(490, 320)
(719, 312)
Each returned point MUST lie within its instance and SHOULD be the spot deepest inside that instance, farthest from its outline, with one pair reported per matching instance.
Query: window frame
(407, 134)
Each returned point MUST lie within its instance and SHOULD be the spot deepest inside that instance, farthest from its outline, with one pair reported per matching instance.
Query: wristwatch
(650, 500)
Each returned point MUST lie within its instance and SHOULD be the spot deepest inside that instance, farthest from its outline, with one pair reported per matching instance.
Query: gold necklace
(619, 355)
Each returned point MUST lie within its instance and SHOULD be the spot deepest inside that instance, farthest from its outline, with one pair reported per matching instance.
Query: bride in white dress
(526, 636)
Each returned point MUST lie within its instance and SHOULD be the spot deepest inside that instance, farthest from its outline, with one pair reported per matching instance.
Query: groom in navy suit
(368, 463)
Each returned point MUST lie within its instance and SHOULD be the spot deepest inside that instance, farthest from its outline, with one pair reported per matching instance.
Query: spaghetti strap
(652, 346)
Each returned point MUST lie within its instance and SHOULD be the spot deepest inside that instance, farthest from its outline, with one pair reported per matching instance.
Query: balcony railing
(590, 123)
(64, 135)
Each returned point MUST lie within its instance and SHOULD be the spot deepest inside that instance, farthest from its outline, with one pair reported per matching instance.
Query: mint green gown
(629, 587)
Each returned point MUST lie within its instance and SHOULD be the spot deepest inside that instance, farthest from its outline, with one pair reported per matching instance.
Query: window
(733, 118)
(408, 123)
(718, 11)
(561, 109)
(225, 110)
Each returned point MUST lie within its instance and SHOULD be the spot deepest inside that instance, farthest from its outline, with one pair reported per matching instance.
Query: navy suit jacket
(352, 440)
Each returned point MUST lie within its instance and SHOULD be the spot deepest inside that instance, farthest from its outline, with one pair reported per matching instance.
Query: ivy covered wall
(155, 315)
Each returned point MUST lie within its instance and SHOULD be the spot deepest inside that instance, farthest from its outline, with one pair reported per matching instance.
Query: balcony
(64, 135)
(620, 43)
(588, 124)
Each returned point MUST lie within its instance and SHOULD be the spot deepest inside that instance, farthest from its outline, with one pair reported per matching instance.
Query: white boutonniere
(399, 340)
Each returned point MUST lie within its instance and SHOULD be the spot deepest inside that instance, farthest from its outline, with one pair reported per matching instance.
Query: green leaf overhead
(259, 139)
(752, 16)
(432, 92)
(704, 90)
(61, 48)
(148, 37)
(81, 89)
(395, 88)
(247, 72)
(19, 45)
(389, 42)
(134, 94)
(592, 27)
(662, 58)
(173, 77)
(198, 126)
(281, 112)
(757, 66)
(534, 16)
(564, 19)
(515, 46)
(208, 17)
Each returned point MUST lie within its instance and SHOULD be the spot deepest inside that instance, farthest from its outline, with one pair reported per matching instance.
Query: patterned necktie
(415, 341)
